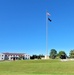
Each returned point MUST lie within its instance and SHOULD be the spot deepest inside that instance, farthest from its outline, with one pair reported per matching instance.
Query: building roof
(19, 54)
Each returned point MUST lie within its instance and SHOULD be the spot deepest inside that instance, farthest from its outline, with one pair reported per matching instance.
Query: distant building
(14, 56)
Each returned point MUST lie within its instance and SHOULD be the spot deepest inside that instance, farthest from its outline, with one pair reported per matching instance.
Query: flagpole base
(46, 57)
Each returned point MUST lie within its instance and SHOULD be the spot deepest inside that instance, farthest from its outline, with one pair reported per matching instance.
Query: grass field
(37, 67)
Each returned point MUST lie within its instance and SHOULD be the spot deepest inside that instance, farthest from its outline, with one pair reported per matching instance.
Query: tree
(36, 56)
(33, 57)
(62, 55)
(71, 54)
(53, 53)
(40, 56)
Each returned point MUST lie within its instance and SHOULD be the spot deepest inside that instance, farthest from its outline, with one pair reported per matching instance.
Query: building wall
(2, 56)
(26, 56)
(11, 56)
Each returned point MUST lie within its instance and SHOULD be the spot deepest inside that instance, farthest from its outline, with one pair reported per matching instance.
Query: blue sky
(23, 26)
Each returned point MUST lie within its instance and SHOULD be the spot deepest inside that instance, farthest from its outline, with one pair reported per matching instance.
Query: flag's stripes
(48, 13)
(49, 19)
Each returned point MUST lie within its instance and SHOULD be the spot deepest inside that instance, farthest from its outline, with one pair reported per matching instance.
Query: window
(2, 55)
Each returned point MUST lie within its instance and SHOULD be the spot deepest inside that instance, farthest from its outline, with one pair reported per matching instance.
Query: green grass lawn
(37, 67)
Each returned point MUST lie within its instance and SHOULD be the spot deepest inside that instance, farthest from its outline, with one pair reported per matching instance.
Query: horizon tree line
(61, 54)
(54, 55)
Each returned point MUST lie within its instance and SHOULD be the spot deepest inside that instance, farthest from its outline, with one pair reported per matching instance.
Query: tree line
(61, 54)
(54, 55)
(37, 56)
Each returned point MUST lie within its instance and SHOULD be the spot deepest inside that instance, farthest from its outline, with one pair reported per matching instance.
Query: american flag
(48, 13)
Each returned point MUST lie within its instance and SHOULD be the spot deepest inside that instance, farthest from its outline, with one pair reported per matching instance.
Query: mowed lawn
(37, 67)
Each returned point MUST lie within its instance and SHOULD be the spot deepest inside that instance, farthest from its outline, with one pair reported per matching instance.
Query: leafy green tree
(71, 54)
(36, 56)
(40, 56)
(62, 55)
(53, 53)
(33, 57)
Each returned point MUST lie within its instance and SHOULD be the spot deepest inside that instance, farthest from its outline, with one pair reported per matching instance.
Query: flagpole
(47, 14)
(46, 36)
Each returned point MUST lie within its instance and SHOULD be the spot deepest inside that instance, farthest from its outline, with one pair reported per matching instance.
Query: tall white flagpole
(46, 57)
